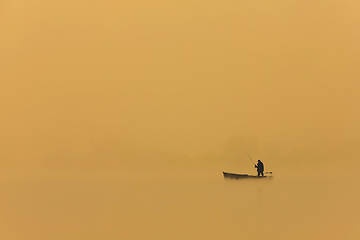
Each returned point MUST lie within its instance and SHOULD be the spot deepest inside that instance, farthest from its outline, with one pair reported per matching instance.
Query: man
(260, 168)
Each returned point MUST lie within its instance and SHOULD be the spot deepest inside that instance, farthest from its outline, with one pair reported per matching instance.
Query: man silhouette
(260, 168)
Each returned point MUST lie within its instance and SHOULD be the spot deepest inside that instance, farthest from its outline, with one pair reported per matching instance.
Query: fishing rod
(253, 161)
(249, 156)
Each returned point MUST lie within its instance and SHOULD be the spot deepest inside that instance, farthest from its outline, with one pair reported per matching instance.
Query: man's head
(259, 160)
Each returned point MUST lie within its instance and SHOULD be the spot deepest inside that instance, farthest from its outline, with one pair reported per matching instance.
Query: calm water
(181, 208)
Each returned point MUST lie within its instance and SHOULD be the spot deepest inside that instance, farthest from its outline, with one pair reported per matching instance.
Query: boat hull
(242, 176)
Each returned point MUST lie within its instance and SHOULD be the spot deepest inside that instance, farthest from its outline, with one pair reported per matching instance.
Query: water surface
(180, 208)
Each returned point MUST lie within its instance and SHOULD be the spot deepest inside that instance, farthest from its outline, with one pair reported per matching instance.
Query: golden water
(181, 208)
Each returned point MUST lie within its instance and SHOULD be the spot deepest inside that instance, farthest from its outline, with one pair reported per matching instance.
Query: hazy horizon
(117, 119)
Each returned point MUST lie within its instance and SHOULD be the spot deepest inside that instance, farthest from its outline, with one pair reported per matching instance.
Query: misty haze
(119, 117)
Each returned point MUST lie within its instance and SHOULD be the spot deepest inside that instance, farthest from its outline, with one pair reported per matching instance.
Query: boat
(243, 176)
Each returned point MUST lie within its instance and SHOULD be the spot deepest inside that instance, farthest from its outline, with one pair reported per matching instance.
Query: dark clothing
(260, 168)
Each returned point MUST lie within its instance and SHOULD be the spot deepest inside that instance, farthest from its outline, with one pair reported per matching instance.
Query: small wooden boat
(243, 176)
